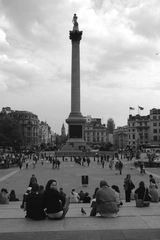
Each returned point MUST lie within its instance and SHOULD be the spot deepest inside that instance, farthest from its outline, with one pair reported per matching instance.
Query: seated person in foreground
(34, 204)
(4, 196)
(55, 204)
(142, 193)
(106, 204)
(117, 192)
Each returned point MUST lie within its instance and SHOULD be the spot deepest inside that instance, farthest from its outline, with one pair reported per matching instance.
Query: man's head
(103, 183)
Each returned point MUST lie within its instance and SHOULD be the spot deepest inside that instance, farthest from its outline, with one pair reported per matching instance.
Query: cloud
(118, 46)
(146, 19)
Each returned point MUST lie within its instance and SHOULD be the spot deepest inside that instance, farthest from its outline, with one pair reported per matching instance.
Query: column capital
(75, 35)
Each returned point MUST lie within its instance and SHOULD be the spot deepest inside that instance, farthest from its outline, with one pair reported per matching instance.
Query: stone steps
(13, 210)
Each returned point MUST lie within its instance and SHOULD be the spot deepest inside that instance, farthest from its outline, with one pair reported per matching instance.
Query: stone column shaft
(75, 78)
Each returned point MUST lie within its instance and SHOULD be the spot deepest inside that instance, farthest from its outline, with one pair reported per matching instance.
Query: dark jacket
(143, 193)
(53, 201)
(35, 206)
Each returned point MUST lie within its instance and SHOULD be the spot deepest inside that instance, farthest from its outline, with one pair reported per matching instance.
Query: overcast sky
(120, 60)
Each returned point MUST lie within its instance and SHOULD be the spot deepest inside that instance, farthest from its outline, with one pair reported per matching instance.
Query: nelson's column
(75, 120)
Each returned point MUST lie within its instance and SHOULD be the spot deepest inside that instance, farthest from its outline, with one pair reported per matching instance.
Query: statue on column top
(75, 23)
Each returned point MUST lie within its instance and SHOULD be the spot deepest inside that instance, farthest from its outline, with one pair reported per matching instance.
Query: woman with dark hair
(34, 204)
(142, 193)
(56, 205)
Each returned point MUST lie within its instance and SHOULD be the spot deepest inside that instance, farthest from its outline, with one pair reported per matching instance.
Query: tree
(110, 125)
(10, 132)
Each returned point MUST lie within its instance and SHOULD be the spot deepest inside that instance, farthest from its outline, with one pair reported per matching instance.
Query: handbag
(142, 202)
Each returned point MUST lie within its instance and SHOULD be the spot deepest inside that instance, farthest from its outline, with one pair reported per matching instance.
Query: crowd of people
(40, 202)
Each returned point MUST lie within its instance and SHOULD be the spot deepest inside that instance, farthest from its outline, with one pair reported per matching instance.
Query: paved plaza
(132, 223)
(69, 176)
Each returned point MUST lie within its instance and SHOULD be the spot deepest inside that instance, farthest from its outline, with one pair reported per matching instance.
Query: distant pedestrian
(88, 161)
(128, 187)
(120, 166)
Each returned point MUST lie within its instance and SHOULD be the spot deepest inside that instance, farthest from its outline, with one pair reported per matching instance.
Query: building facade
(34, 132)
(138, 130)
(120, 137)
(30, 127)
(45, 135)
(95, 132)
(154, 133)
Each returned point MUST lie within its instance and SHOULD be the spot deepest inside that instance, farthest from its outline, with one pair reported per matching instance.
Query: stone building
(138, 130)
(34, 132)
(95, 132)
(154, 133)
(30, 127)
(120, 137)
(45, 135)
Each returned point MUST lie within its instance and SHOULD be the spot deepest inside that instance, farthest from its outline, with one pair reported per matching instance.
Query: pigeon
(82, 211)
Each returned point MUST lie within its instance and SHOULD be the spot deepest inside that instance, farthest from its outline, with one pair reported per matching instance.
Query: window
(154, 117)
(133, 136)
(154, 130)
(141, 136)
(154, 124)
(155, 138)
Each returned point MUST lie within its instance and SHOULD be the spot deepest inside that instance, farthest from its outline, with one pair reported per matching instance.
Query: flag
(141, 108)
(131, 108)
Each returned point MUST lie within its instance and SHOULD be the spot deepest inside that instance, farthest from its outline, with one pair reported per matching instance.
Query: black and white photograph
(79, 119)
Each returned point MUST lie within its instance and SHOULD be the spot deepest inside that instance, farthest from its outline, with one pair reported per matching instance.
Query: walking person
(128, 187)
(120, 167)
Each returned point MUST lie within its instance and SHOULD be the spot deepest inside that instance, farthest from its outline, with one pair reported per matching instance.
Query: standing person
(88, 161)
(120, 166)
(56, 205)
(142, 170)
(106, 201)
(20, 164)
(27, 163)
(111, 163)
(128, 187)
(103, 162)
